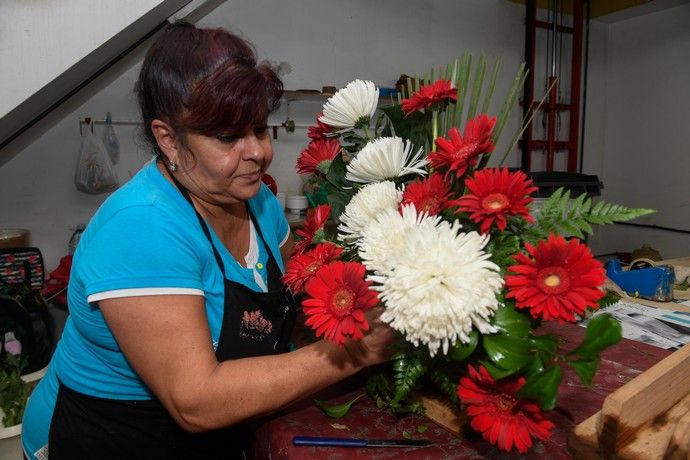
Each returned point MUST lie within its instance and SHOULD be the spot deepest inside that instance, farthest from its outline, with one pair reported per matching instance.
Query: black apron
(254, 324)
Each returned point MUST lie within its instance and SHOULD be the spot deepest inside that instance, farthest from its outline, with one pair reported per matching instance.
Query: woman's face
(228, 168)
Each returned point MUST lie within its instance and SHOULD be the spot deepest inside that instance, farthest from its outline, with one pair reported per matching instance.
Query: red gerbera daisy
(430, 195)
(498, 415)
(302, 267)
(462, 151)
(339, 296)
(318, 156)
(560, 279)
(494, 194)
(313, 223)
(429, 95)
(320, 130)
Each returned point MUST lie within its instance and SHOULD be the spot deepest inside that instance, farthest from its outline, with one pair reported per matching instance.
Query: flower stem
(434, 127)
(366, 133)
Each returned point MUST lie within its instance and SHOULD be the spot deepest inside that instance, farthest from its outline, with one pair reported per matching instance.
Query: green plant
(13, 390)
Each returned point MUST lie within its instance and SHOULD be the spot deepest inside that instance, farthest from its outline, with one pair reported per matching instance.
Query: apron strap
(272, 270)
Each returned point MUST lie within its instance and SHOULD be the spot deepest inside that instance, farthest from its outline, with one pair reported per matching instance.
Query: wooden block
(643, 399)
(647, 418)
(679, 446)
(443, 413)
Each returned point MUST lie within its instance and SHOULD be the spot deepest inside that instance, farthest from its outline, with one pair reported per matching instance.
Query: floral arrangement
(465, 268)
(13, 390)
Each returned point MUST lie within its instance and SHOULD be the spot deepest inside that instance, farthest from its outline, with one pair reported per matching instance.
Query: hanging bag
(95, 172)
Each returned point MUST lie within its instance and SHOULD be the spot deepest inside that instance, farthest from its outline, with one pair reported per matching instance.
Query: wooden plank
(642, 400)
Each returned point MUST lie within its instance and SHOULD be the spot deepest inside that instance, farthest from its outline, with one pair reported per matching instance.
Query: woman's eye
(226, 137)
(260, 130)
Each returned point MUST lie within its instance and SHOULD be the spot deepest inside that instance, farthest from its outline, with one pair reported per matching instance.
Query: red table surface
(619, 364)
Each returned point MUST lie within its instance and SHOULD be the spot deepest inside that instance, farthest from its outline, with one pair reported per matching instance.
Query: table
(273, 440)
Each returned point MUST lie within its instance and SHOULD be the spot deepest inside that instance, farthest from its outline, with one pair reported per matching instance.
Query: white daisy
(363, 209)
(440, 287)
(385, 158)
(381, 241)
(352, 106)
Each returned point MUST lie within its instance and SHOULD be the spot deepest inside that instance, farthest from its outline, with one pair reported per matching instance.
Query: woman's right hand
(376, 345)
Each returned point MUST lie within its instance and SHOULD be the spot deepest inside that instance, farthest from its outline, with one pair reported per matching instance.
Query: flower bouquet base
(648, 418)
(443, 413)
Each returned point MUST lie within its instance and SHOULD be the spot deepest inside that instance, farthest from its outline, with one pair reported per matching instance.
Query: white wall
(646, 155)
(327, 43)
(41, 40)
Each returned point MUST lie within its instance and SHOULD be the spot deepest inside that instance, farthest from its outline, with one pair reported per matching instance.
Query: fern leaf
(447, 385)
(408, 369)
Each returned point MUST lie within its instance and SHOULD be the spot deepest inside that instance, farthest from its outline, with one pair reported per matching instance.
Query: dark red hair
(205, 81)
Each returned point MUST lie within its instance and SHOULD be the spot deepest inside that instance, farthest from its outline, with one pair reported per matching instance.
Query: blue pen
(355, 442)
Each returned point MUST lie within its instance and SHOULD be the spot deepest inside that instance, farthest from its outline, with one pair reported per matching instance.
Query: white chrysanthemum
(352, 106)
(382, 240)
(385, 158)
(442, 285)
(367, 204)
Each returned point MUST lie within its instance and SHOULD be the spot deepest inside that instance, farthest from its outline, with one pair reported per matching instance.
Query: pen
(356, 442)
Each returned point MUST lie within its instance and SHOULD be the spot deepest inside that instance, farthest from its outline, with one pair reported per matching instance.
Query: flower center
(495, 202)
(553, 280)
(504, 402)
(429, 205)
(342, 302)
(466, 150)
(362, 122)
(312, 267)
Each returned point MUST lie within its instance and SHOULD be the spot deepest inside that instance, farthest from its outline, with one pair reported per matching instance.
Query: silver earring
(173, 166)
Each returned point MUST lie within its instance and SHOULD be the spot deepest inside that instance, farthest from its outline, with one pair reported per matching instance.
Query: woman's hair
(204, 81)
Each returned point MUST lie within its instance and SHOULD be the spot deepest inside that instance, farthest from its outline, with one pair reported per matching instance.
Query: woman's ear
(165, 137)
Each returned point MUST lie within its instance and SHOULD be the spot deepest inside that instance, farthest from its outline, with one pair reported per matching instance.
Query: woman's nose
(253, 147)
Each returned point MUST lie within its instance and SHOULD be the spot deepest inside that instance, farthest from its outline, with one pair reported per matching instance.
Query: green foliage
(602, 331)
(560, 215)
(508, 352)
(502, 247)
(446, 384)
(609, 299)
(585, 369)
(414, 128)
(336, 410)
(543, 387)
(13, 390)
(460, 351)
(408, 368)
(381, 388)
(511, 322)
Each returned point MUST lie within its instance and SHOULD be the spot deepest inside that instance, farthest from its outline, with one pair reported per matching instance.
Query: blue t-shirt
(144, 240)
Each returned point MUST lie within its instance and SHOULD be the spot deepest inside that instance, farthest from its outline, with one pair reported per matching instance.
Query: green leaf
(336, 173)
(511, 321)
(602, 331)
(496, 372)
(585, 369)
(477, 86)
(336, 410)
(507, 352)
(543, 387)
(422, 429)
(536, 366)
(460, 350)
(413, 128)
(546, 343)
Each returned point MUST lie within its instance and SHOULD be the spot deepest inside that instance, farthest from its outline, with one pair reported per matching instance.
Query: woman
(177, 311)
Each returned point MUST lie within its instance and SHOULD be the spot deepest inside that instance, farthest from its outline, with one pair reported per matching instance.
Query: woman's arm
(167, 341)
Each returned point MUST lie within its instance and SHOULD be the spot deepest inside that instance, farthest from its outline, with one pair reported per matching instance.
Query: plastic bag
(110, 141)
(94, 173)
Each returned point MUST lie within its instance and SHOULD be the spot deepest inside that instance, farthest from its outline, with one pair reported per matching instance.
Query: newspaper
(655, 326)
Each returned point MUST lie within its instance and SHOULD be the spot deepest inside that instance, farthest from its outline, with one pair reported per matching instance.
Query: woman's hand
(376, 346)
